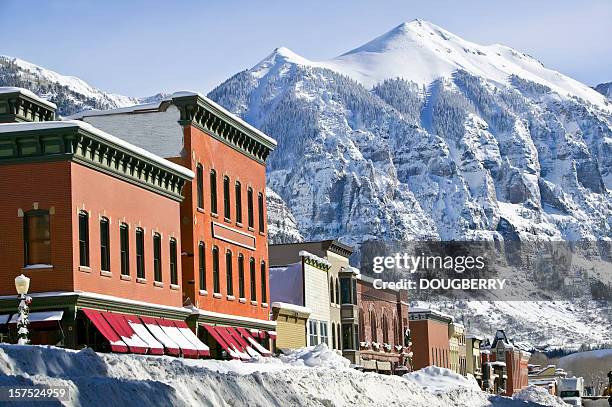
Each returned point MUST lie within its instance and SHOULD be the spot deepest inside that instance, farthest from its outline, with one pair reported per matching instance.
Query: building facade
(430, 338)
(512, 363)
(291, 322)
(473, 358)
(223, 216)
(457, 347)
(383, 323)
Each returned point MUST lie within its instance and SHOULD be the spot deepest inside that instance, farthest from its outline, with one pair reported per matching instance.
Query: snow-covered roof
(170, 98)
(30, 126)
(291, 307)
(417, 310)
(31, 95)
(314, 257)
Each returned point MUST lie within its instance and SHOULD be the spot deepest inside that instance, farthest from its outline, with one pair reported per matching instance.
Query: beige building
(456, 342)
(472, 357)
(291, 321)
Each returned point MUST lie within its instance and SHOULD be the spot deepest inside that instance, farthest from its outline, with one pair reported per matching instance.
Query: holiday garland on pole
(23, 321)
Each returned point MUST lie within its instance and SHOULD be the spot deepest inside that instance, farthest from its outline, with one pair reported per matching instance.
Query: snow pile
(440, 380)
(539, 395)
(315, 356)
(167, 381)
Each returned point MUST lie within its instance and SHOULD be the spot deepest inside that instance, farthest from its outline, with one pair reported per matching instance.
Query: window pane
(216, 270)
(84, 239)
(261, 211)
(238, 203)
(140, 265)
(157, 274)
(250, 207)
(213, 191)
(229, 273)
(202, 265)
(173, 265)
(252, 278)
(37, 238)
(226, 197)
(125, 249)
(200, 186)
(264, 291)
(104, 245)
(241, 276)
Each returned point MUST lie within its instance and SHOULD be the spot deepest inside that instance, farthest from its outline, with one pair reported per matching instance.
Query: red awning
(233, 343)
(243, 342)
(172, 348)
(127, 334)
(263, 334)
(221, 341)
(246, 335)
(155, 347)
(200, 346)
(187, 348)
(116, 344)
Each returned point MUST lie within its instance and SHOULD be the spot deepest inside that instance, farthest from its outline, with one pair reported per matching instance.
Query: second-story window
(260, 209)
(226, 198)
(157, 265)
(238, 197)
(104, 244)
(173, 263)
(37, 237)
(228, 273)
(84, 239)
(202, 265)
(200, 186)
(215, 265)
(124, 241)
(264, 280)
(252, 278)
(213, 191)
(241, 276)
(140, 255)
(250, 212)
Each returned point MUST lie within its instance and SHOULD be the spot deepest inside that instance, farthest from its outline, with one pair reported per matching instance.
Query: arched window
(241, 276)
(333, 335)
(226, 198)
(215, 265)
(238, 197)
(338, 335)
(331, 290)
(252, 279)
(213, 191)
(260, 208)
(361, 325)
(173, 262)
(264, 291)
(202, 265)
(200, 185)
(140, 256)
(337, 292)
(385, 328)
(157, 264)
(37, 237)
(250, 216)
(373, 328)
(228, 273)
(104, 244)
(396, 336)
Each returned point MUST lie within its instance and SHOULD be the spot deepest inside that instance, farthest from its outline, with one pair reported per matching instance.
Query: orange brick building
(223, 217)
(430, 338)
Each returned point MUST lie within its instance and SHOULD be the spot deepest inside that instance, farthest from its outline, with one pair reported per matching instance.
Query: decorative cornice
(92, 150)
(315, 261)
(19, 106)
(214, 120)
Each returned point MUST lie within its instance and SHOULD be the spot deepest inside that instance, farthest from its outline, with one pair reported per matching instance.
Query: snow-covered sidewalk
(307, 377)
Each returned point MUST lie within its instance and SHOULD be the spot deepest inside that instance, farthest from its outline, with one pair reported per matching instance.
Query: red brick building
(511, 361)
(93, 221)
(383, 323)
(430, 338)
(223, 216)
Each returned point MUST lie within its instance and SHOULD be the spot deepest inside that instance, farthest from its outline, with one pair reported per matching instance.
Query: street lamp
(22, 284)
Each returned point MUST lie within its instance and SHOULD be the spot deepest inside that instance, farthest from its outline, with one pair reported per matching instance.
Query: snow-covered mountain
(605, 89)
(420, 134)
(69, 93)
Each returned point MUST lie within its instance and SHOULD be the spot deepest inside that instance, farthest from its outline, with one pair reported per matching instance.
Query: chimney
(20, 105)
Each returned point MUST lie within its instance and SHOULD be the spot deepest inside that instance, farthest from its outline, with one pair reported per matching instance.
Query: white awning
(42, 316)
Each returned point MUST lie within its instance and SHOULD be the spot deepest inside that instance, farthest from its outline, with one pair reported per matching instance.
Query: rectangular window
(37, 238)
(125, 249)
(228, 273)
(104, 244)
(84, 239)
(345, 290)
(238, 197)
(260, 208)
(202, 265)
(313, 335)
(173, 263)
(157, 265)
(213, 191)
(200, 186)
(226, 198)
(252, 278)
(215, 265)
(324, 332)
(241, 276)
(140, 255)
(347, 336)
(250, 208)
(264, 291)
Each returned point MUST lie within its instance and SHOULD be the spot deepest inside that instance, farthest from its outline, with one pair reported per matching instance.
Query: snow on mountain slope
(422, 52)
(461, 146)
(71, 94)
(605, 89)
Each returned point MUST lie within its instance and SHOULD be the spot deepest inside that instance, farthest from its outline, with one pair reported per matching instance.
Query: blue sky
(138, 48)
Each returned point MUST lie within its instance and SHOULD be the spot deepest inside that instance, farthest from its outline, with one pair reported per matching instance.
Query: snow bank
(440, 380)
(539, 395)
(315, 356)
(97, 379)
